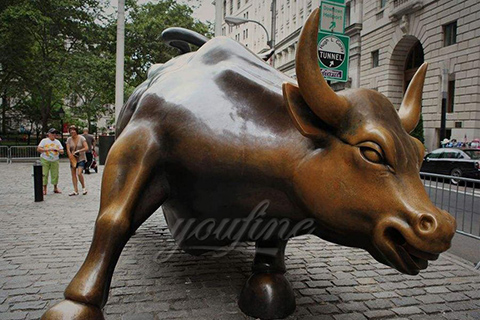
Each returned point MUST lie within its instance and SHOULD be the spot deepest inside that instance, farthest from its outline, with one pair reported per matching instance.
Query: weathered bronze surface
(210, 135)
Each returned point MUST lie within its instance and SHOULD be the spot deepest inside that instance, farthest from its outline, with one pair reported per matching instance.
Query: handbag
(72, 157)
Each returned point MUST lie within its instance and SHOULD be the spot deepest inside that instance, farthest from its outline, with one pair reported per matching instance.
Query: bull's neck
(277, 159)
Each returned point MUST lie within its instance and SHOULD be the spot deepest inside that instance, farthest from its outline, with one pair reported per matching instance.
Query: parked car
(453, 162)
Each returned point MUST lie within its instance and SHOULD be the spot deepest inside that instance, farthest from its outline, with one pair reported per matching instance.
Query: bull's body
(226, 110)
(213, 134)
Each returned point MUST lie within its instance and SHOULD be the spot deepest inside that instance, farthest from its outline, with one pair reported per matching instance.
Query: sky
(203, 10)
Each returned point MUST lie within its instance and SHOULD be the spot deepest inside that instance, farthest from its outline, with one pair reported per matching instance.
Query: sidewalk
(43, 245)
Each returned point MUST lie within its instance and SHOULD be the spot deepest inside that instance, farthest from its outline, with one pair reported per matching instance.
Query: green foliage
(418, 131)
(143, 44)
(62, 52)
(38, 37)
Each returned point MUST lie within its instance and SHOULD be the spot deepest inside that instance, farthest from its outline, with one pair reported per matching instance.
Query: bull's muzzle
(408, 244)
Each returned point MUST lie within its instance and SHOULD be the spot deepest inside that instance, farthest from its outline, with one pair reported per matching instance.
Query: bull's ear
(303, 117)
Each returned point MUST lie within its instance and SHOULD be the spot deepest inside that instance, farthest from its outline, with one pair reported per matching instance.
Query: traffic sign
(332, 17)
(332, 51)
(338, 1)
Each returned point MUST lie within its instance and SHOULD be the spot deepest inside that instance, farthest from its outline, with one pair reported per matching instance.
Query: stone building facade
(390, 39)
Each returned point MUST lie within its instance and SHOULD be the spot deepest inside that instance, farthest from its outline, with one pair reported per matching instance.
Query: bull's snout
(408, 242)
(434, 231)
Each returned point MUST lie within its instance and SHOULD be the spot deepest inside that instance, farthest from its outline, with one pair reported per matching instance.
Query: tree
(91, 84)
(41, 35)
(418, 131)
(143, 44)
(55, 52)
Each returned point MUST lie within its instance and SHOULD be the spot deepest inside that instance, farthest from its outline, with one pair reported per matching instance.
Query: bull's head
(362, 183)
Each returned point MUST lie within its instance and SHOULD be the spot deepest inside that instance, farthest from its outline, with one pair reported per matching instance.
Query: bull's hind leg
(267, 293)
(133, 187)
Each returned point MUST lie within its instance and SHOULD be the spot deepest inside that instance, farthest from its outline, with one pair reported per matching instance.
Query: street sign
(332, 51)
(332, 17)
(338, 1)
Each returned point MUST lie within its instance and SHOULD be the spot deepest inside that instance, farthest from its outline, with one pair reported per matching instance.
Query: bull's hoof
(267, 296)
(70, 310)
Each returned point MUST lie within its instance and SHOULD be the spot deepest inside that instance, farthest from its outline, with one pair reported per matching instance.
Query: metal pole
(38, 181)
(269, 43)
(274, 19)
(443, 118)
(120, 58)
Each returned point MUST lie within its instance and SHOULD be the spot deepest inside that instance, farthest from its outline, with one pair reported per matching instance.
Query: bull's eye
(372, 152)
(371, 155)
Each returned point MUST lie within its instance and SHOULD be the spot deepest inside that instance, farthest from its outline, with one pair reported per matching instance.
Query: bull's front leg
(132, 189)
(267, 293)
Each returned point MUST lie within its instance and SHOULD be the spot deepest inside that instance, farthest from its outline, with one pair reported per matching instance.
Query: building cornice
(287, 66)
(353, 29)
(288, 38)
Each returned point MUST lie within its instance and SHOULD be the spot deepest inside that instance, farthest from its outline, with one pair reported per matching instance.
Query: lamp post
(238, 21)
(120, 58)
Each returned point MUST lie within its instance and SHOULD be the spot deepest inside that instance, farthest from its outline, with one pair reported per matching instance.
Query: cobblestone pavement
(43, 245)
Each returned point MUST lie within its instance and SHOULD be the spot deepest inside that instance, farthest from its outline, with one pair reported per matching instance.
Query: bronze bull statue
(211, 134)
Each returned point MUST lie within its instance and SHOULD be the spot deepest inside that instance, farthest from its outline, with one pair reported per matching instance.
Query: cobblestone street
(43, 245)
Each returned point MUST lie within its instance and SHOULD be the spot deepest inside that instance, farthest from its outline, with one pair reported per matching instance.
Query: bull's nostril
(427, 223)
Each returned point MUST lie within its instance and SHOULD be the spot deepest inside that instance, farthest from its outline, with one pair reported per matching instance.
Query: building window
(246, 34)
(375, 59)
(450, 96)
(383, 3)
(231, 7)
(224, 8)
(450, 34)
(238, 4)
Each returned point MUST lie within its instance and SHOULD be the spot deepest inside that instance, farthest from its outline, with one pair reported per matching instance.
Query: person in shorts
(77, 147)
(50, 149)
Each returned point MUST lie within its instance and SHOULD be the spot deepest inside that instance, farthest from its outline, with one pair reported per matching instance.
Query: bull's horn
(411, 106)
(323, 101)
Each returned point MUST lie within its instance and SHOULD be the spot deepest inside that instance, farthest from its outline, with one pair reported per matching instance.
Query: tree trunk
(46, 108)
(5, 106)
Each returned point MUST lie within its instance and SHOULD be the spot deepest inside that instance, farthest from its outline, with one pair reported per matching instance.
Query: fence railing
(13, 153)
(4, 153)
(459, 196)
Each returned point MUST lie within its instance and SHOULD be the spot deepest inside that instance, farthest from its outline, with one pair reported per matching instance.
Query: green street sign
(333, 54)
(338, 1)
(332, 17)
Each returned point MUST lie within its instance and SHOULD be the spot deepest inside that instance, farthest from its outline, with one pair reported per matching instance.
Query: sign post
(333, 56)
(332, 44)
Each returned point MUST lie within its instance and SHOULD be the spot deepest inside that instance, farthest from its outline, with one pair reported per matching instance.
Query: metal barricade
(23, 153)
(459, 196)
(4, 154)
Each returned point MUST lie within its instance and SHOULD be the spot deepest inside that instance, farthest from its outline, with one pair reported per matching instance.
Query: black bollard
(37, 181)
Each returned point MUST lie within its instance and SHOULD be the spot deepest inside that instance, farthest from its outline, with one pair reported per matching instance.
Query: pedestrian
(89, 154)
(50, 149)
(76, 148)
